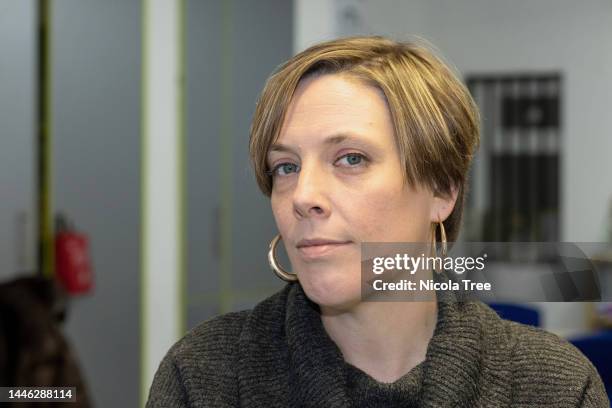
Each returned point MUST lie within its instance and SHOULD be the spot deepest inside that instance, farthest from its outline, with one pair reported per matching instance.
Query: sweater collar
(454, 354)
(301, 361)
(316, 362)
(452, 361)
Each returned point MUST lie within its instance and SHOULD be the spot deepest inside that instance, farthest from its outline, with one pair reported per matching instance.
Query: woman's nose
(309, 196)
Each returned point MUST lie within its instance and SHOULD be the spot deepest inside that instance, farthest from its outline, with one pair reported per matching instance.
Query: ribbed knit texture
(279, 355)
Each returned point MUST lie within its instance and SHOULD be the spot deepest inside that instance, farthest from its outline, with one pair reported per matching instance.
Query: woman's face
(338, 176)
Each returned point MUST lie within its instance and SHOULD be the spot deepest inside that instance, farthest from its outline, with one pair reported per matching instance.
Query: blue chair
(517, 313)
(598, 348)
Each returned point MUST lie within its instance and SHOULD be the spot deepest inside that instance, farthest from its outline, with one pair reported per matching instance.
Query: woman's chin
(332, 292)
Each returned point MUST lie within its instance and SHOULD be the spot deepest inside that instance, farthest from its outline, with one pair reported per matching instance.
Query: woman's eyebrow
(330, 140)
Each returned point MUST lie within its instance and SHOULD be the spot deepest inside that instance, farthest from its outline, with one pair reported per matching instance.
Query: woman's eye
(348, 160)
(283, 169)
(353, 159)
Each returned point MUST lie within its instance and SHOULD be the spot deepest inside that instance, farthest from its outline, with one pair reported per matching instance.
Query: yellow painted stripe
(45, 193)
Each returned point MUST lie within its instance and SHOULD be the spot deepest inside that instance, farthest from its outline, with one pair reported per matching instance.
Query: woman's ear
(443, 205)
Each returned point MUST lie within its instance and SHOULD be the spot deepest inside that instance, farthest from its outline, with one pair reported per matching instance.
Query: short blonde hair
(435, 119)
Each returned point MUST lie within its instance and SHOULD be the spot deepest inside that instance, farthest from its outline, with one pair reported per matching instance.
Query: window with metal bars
(515, 179)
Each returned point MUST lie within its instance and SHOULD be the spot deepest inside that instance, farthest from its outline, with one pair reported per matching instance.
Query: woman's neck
(383, 339)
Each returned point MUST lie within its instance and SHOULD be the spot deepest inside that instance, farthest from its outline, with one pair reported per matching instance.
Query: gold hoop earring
(442, 237)
(276, 268)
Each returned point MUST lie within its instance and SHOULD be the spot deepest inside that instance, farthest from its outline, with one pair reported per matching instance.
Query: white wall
(314, 21)
(480, 36)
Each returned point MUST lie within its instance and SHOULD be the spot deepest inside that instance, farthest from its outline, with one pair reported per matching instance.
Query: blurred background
(124, 170)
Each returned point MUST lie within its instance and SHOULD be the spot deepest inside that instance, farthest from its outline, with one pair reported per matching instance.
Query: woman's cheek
(281, 214)
(383, 213)
(371, 213)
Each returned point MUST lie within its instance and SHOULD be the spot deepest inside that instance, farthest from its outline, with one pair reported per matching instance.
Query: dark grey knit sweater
(279, 355)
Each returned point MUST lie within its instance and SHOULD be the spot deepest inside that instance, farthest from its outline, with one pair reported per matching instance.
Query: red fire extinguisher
(72, 261)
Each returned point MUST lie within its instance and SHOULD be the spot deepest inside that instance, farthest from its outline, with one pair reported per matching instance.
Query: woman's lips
(317, 251)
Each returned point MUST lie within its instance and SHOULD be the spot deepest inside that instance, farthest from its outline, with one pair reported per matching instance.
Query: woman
(366, 140)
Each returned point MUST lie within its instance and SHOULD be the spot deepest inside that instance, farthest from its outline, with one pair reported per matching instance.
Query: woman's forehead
(332, 94)
(330, 109)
